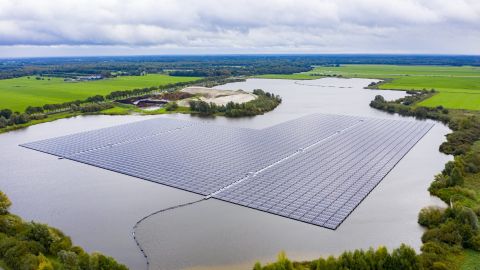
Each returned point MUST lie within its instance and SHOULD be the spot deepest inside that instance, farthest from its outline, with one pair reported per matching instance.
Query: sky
(147, 27)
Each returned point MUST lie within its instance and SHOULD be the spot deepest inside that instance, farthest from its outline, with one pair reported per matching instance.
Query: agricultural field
(458, 87)
(19, 93)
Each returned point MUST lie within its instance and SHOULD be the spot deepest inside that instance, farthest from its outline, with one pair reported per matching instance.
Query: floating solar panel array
(315, 169)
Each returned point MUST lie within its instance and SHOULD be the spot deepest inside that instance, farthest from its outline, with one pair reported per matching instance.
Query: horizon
(239, 54)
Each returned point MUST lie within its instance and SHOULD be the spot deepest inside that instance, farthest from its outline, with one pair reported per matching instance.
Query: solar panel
(323, 184)
(315, 169)
(105, 137)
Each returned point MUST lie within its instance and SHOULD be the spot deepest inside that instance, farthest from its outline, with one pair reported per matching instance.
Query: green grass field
(19, 93)
(459, 87)
(472, 260)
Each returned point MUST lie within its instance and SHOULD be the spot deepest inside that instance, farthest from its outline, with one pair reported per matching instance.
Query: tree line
(403, 106)
(451, 229)
(91, 104)
(404, 258)
(264, 102)
(31, 245)
(207, 66)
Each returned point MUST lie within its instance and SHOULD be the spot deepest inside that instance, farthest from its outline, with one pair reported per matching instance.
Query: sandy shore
(217, 96)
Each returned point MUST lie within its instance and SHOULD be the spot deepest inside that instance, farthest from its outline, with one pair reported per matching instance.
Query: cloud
(416, 26)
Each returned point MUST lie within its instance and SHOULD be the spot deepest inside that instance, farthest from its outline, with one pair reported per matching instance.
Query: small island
(230, 103)
(204, 101)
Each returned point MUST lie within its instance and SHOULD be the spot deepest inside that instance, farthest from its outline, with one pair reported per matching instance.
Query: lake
(98, 208)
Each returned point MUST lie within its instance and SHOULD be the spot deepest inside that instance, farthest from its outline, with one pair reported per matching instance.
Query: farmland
(18, 93)
(458, 87)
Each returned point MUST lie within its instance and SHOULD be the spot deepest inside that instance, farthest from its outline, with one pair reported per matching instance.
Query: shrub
(69, 259)
(100, 262)
(3, 122)
(434, 253)
(171, 106)
(10, 224)
(455, 178)
(33, 110)
(404, 257)
(40, 233)
(95, 107)
(467, 216)
(431, 217)
(5, 203)
(447, 233)
(6, 113)
(475, 242)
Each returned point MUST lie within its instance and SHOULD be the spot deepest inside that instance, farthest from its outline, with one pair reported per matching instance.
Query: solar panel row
(316, 169)
(323, 184)
(95, 139)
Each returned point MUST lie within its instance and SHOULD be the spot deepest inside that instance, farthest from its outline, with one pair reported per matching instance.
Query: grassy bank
(457, 87)
(19, 93)
(50, 118)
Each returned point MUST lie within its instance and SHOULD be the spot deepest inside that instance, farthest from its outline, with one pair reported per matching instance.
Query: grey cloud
(444, 26)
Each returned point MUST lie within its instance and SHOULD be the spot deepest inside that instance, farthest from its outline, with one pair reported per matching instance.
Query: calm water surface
(98, 208)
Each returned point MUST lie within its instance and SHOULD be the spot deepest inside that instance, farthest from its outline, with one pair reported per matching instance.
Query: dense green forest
(30, 245)
(206, 66)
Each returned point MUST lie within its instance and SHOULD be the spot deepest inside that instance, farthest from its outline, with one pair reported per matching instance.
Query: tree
(448, 168)
(41, 234)
(379, 98)
(455, 178)
(381, 258)
(405, 258)
(172, 106)
(22, 118)
(100, 262)
(431, 217)
(467, 216)
(44, 263)
(69, 260)
(48, 107)
(5, 203)
(3, 122)
(6, 113)
(420, 112)
(33, 110)
(96, 98)
(283, 263)
(330, 264)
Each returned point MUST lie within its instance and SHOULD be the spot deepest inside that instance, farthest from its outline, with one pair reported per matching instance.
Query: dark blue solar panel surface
(315, 169)
(324, 183)
(91, 140)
